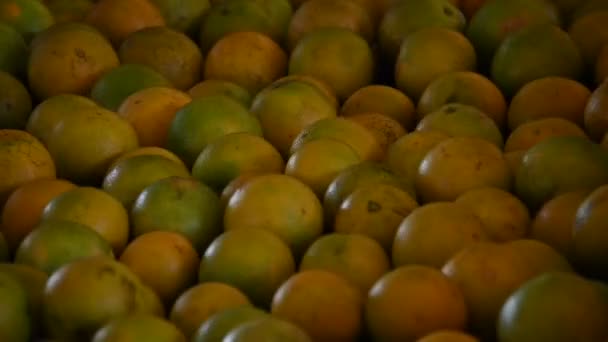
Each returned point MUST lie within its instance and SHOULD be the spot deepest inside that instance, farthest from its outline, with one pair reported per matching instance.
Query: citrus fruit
(594, 117)
(317, 162)
(138, 327)
(175, 55)
(385, 130)
(234, 186)
(535, 52)
(590, 44)
(549, 97)
(382, 99)
(300, 297)
(291, 210)
(253, 260)
(95, 209)
(554, 296)
(429, 53)
(129, 177)
(461, 120)
(467, 88)
(68, 58)
(233, 154)
(178, 205)
(54, 243)
(438, 231)
(374, 210)
(116, 19)
(504, 216)
(218, 325)
(200, 302)
(148, 150)
(117, 84)
(347, 59)
(15, 103)
(588, 236)
(286, 107)
(84, 295)
(69, 10)
(446, 335)
(531, 133)
(29, 17)
(266, 329)
(479, 163)
(14, 321)
(4, 250)
(33, 282)
(205, 119)
(557, 165)
(184, 16)
(355, 257)
(210, 87)
(321, 86)
(537, 257)
(14, 51)
(24, 159)
(601, 65)
(411, 301)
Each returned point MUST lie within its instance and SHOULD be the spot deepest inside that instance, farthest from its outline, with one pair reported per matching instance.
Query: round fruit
(595, 117)
(14, 50)
(601, 65)
(528, 134)
(175, 55)
(24, 159)
(477, 162)
(291, 210)
(15, 102)
(138, 327)
(29, 17)
(14, 321)
(221, 87)
(205, 119)
(218, 325)
(184, 16)
(150, 150)
(55, 243)
(253, 260)
(111, 89)
(4, 250)
(33, 282)
(300, 297)
(381, 99)
(267, 329)
(178, 205)
(385, 130)
(448, 336)
(69, 10)
(68, 58)
(589, 239)
(92, 208)
(590, 33)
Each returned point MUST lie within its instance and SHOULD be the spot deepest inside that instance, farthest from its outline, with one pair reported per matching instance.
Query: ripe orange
(138, 327)
(15, 102)
(385, 130)
(29, 17)
(69, 10)
(218, 325)
(589, 240)
(210, 87)
(267, 329)
(595, 117)
(381, 99)
(150, 150)
(590, 44)
(445, 335)
(533, 132)
(14, 325)
(184, 16)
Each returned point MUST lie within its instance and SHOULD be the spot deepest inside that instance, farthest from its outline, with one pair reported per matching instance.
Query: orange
(221, 87)
(24, 159)
(321, 86)
(164, 261)
(381, 99)
(55, 243)
(138, 327)
(535, 52)
(234, 185)
(315, 14)
(94, 208)
(342, 129)
(601, 65)
(429, 53)
(375, 211)
(448, 335)
(355, 257)
(29, 17)
(218, 325)
(233, 154)
(15, 102)
(347, 59)
(323, 304)
(595, 117)
(268, 329)
(460, 120)
(468, 88)
(15, 323)
(589, 240)
(476, 161)
(470, 7)
(553, 221)
(184, 16)
(549, 97)
(150, 150)
(178, 205)
(531, 133)
(590, 44)
(431, 234)
(151, 111)
(411, 302)
(69, 10)
(76, 297)
(68, 58)
(23, 208)
(554, 296)
(538, 257)
(129, 177)
(249, 59)
(175, 56)
(116, 19)
(12, 57)
(504, 216)
(317, 162)
(384, 129)
(586, 167)
(253, 260)
(291, 210)
(84, 144)
(205, 119)
(286, 107)
(198, 303)
(406, 17)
